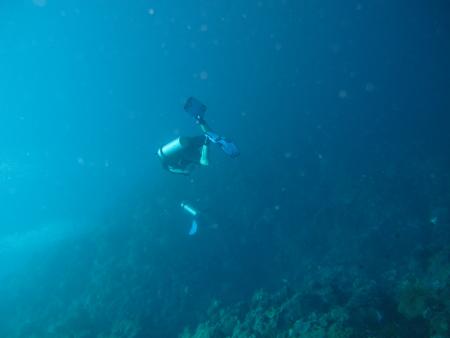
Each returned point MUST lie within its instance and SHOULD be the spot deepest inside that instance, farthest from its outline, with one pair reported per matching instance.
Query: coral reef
(332, 260)
(341, 304)
(425, 296)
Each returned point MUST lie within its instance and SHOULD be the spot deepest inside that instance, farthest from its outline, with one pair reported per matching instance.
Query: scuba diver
(199, 219)
(183, 154)
(195, 214)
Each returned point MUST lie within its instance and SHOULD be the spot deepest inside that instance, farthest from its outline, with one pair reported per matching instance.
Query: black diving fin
(195, 108)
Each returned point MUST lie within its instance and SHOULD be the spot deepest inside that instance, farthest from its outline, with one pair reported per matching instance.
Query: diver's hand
(178, 171)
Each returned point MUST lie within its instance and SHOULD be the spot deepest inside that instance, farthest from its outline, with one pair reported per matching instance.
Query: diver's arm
(178, 171)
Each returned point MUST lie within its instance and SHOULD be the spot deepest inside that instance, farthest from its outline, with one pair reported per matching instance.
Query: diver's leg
(204, 157)
(204, 126)
(199, 150)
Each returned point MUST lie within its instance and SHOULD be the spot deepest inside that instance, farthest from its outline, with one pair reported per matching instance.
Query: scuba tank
(180, 145)
(190, 210)
(173, 148)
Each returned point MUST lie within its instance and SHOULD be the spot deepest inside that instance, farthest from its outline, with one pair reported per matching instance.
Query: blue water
(341, 114)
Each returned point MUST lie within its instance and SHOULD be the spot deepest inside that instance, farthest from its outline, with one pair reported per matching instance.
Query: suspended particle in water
(335, 47)
(40, 3)
(204, 28)
(203, 75)
(278, 46)
(151, 11)
(343, 94)
(369, 87)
